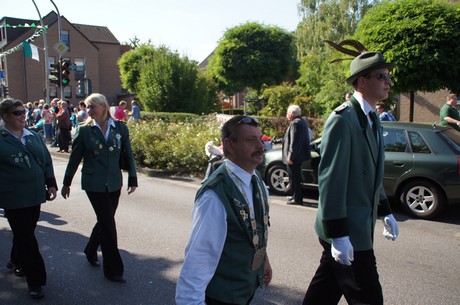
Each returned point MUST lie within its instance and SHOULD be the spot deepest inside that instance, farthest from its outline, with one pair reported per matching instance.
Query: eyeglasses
(381, 76)
(248, 120)
(18, 112)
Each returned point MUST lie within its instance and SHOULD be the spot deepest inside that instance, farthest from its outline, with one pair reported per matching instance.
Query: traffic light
(65, 64)
(81, 87)
(55, 74)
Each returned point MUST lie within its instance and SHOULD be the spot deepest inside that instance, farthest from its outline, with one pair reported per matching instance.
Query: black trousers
(64, 139)
(294, 178)
(25, 251)
(359, 283)
(105, 232)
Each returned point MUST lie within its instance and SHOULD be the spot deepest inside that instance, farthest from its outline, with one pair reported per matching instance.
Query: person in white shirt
(226, 258)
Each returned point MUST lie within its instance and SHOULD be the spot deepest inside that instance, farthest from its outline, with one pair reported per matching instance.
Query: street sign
(61, 47)
(73, 67)
(2, 74)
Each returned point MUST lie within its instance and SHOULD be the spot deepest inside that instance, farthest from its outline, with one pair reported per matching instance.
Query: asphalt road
(420, 267)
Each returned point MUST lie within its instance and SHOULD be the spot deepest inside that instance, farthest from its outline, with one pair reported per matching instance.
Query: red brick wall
(426, 106)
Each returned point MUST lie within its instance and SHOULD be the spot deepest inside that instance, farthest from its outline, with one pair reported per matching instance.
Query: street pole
(59, 39)
(45, 47)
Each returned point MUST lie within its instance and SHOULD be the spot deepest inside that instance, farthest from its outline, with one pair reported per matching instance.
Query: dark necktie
(374, 119)
(256, 196)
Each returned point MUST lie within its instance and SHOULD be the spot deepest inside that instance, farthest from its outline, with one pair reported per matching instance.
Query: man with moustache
(226, 259)
(351, 195)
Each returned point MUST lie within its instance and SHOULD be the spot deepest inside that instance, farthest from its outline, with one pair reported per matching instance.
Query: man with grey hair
(296, 149)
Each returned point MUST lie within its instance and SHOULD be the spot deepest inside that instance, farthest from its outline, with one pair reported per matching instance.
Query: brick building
(93, 51)
(426, 106)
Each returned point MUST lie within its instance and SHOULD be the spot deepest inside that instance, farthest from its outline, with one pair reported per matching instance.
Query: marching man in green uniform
(226, 257)
(351, 195)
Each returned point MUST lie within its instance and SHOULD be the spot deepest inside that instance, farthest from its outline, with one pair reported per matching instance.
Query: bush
(177, 146)
(175, 141)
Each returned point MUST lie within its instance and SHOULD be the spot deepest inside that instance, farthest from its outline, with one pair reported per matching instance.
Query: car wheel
(278, 180)
(422, 199)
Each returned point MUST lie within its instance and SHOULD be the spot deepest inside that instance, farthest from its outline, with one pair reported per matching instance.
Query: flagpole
(45, 47)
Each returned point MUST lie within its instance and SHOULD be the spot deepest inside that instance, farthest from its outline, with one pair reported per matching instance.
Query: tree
(171, 83)
(278, 98)
(252, 55)
(131, 64)
(325, 20)
(421, 37)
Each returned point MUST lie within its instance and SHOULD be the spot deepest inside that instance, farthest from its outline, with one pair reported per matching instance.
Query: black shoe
(36, 293)
(17, 270)
(92, 259)
(116, 278)
(94, 263)
(292, 202)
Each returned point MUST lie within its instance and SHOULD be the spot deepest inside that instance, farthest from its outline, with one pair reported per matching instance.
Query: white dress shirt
(209, 231)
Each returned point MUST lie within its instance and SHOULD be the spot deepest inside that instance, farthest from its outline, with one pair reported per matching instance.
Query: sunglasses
(381, 76)
(248, 120)
(18, 112)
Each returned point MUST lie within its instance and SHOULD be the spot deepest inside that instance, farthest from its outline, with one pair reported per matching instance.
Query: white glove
(390, 227)
(342, 250)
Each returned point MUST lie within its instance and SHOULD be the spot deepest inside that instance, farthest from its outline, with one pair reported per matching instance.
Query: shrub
(177, 146)
(175, 141)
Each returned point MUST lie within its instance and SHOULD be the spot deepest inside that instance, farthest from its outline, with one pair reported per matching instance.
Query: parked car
(422, 167)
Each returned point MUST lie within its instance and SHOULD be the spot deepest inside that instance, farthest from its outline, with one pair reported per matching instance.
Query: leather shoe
(93, 262)
(92, 259)
(292, 202)
(17, 270)
(36, 293)
(116, 278)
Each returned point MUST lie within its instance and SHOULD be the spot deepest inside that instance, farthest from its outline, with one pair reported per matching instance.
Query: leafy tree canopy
(323, 20)
(166, 82)
(253, 55)
(421, 37)
(131, 64)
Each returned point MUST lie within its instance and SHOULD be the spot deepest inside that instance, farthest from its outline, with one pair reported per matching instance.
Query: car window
(418, 144)
(395, 140)
(453, 138)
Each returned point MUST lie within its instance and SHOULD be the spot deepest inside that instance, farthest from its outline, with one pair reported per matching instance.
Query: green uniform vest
(234, 280)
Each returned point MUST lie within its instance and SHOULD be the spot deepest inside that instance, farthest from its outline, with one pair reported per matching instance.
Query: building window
(65, 37)
(80, 72)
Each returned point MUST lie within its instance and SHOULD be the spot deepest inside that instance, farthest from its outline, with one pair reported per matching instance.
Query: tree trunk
(411, 107)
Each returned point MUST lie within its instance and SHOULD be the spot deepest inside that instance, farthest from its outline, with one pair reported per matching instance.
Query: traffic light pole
(45, 47)
(59, 39)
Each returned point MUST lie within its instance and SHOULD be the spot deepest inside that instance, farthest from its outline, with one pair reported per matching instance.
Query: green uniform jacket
(101, 160)
(351, 194)
(234, 280)
(24, 171)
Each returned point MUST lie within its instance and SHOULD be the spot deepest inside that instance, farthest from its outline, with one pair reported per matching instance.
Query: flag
(30, 50)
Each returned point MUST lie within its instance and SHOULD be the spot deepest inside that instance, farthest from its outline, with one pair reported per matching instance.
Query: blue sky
(192, 28)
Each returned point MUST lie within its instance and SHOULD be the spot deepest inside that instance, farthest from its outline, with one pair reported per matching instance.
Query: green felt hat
(365, 63)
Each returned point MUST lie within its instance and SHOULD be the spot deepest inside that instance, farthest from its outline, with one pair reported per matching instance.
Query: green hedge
(176, 141)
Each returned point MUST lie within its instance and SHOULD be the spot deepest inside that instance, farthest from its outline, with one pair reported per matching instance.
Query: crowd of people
(56, 119)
